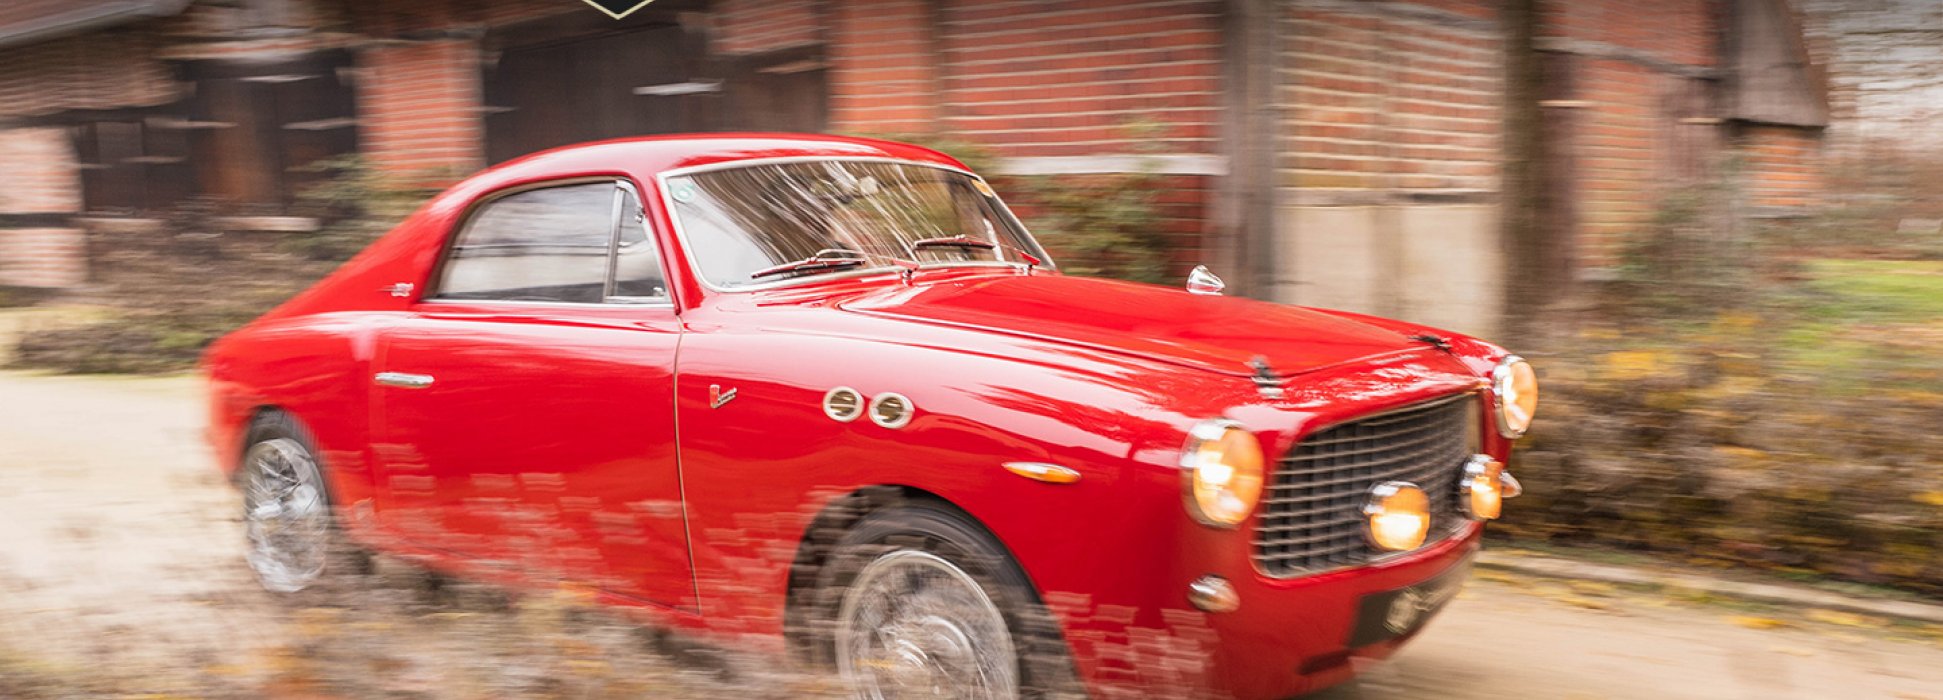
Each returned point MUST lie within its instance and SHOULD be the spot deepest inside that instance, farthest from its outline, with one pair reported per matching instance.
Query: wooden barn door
(571, 79)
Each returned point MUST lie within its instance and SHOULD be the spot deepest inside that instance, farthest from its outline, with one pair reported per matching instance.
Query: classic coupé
(828, 394)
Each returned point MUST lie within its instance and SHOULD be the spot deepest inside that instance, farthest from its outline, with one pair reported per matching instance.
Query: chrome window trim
(622, 184)
(694, 266)
(611, 303)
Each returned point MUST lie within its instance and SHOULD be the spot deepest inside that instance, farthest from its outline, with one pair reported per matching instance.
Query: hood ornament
(1202, 281)
(1433, 340)
(1265, 380)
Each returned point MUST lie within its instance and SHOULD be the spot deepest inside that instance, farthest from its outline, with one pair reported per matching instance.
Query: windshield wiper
(826, 259)
(960, 241)
(964, 241)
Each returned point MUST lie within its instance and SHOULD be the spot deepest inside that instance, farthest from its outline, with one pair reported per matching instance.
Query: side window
(637, 269)
(539, 245)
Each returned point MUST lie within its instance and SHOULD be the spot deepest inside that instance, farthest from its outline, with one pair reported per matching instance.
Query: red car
(829, 394)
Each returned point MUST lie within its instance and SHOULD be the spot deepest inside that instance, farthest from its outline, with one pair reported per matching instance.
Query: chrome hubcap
(285, 515)
(915, 626)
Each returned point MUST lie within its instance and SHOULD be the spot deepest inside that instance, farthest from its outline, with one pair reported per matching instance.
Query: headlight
(1514, 395)
(1482, 489)
(1223, 467)
(1399, 515)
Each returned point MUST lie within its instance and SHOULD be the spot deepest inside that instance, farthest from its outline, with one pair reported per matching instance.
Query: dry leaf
(1757, 622)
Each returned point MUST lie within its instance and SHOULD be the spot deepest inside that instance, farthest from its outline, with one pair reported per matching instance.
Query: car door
(524, 415)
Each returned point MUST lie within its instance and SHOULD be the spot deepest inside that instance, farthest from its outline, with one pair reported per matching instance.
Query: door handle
(404, 379)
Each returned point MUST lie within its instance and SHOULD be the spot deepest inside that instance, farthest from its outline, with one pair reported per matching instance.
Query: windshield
(742, 221)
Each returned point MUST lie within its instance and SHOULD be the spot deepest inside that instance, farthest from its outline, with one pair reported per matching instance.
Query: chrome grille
(1312, 517)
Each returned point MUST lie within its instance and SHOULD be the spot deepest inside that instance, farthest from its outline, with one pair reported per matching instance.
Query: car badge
(717, 397)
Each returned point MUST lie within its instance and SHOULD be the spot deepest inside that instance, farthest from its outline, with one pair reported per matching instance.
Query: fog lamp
(1484, 487)
(1514, 395)
(1399, 515)
(1223, 466)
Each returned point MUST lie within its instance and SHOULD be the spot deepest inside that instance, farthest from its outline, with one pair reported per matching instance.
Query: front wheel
(927, 604)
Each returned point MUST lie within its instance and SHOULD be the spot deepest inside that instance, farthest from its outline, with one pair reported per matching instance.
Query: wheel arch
(827, 528)
(275, 415)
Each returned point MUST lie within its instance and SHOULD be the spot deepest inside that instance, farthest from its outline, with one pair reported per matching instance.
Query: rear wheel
(924, 603)
(287, 515)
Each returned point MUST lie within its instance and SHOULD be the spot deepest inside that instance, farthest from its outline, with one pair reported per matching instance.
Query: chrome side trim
(404, 380)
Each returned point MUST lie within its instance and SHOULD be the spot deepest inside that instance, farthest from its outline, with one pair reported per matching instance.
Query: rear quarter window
(547, 244)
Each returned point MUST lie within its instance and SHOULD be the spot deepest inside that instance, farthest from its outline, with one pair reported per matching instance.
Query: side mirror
(1203, 282)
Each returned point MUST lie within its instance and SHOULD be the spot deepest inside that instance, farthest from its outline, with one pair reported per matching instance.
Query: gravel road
(121, 573)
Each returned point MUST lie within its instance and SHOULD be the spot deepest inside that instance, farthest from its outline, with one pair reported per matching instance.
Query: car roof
(647, 156)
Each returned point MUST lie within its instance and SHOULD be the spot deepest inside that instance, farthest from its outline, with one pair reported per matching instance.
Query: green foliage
(358, 202)
(1100, 225)
(1793, 430)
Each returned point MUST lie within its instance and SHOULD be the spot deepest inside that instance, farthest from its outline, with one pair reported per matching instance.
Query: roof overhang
(80, 17)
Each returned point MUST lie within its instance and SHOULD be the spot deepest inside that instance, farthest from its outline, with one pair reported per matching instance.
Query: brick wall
(53, 258)
(1080, 80)
(1066, 78)
(103, 70)
(418, 108)
(1630, 63)
(755, 26)
(1614, 150)
(1387, 160)
(1389, 101)
(42, 183)
(883, 67)
(1675, 31)
(1781, 166)
(38, 167)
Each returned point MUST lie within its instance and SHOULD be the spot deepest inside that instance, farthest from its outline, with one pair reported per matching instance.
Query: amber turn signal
(1482, 488)
(1399, 515)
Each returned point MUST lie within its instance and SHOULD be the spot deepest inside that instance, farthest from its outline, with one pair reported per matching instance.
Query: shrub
(174, 291)
(1761, 396)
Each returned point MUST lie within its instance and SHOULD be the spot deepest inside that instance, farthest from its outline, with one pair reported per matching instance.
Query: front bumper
(1299, 635)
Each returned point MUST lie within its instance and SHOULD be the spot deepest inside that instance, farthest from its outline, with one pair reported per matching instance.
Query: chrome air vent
(891, 410)
(843, 404)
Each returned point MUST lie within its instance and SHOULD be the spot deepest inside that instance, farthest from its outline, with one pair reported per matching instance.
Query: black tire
(1044, 668)
(343, 562)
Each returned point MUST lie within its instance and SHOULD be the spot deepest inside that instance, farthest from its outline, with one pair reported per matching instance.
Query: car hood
(1217, 333)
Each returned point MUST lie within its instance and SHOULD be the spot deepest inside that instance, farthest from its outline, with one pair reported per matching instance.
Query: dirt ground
(121, 575)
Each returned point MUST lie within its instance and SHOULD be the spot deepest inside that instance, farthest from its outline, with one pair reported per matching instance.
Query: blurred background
(1715, 226)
